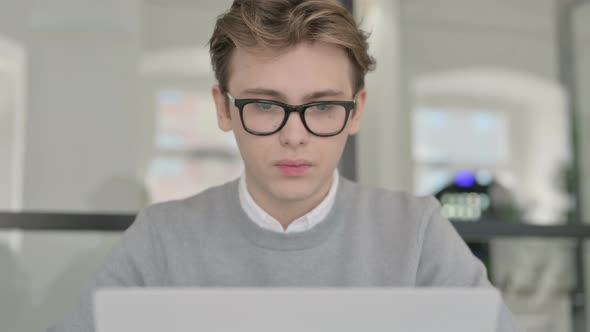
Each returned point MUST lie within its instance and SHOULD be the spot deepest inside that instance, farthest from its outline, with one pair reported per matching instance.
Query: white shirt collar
(304, 223)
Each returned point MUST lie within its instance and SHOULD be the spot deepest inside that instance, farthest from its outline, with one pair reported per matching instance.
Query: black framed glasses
(263, 117)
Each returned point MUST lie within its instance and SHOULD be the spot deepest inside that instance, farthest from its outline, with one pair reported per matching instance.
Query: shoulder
(398, 205)
(205, 206)
(394, 221)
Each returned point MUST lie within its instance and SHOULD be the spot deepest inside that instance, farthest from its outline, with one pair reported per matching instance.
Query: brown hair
(279, 24)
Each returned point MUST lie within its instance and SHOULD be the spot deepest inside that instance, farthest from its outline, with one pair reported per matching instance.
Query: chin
(293, 192)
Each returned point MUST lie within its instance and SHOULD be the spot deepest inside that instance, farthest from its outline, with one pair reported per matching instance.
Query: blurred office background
(105, 108)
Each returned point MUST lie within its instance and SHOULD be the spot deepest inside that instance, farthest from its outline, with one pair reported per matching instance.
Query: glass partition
(107, 107)
(43, 273)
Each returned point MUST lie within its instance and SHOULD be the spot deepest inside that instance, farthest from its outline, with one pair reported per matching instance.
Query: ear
(223, 108)
(357, 115)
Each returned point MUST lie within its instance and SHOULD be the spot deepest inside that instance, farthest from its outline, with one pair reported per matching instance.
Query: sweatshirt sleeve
(128, 264)
(445, 260)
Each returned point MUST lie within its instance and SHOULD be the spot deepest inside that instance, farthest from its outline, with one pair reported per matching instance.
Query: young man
(291, 88)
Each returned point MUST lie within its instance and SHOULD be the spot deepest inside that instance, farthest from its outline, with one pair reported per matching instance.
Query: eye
(265, 106)
(323, 108)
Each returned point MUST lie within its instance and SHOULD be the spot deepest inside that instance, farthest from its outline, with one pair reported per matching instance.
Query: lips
(291, 167)
(293, 163)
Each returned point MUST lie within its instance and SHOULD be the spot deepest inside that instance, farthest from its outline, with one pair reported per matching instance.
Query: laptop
(296, 309)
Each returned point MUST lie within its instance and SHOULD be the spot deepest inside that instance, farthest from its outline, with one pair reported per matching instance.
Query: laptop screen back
(296, 310)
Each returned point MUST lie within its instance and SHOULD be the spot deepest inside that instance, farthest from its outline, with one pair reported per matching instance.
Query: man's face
(308, 72)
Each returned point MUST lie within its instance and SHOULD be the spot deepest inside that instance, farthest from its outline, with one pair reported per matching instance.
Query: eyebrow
(279, 95)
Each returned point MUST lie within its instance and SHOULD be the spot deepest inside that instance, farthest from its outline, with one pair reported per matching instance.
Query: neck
(286, 211)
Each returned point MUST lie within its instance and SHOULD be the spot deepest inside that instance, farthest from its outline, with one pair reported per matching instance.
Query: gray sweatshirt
(370, 238)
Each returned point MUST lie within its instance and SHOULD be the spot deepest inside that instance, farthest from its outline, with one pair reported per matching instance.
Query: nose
(294, 132)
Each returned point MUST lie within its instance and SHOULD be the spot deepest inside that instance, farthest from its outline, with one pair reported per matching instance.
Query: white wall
(582, 28)
(12, 118)
(79, 130)
(8, 119)
(445, 35)
(422, 37)
(82, 94)
(383, 150)
(90, 115)
(175, 54)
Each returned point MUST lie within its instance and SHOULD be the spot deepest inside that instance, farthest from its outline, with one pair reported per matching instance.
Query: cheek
(252, 148)
(332, 150)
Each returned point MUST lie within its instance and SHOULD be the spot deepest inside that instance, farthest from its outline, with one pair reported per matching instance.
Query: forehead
(297, 71)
